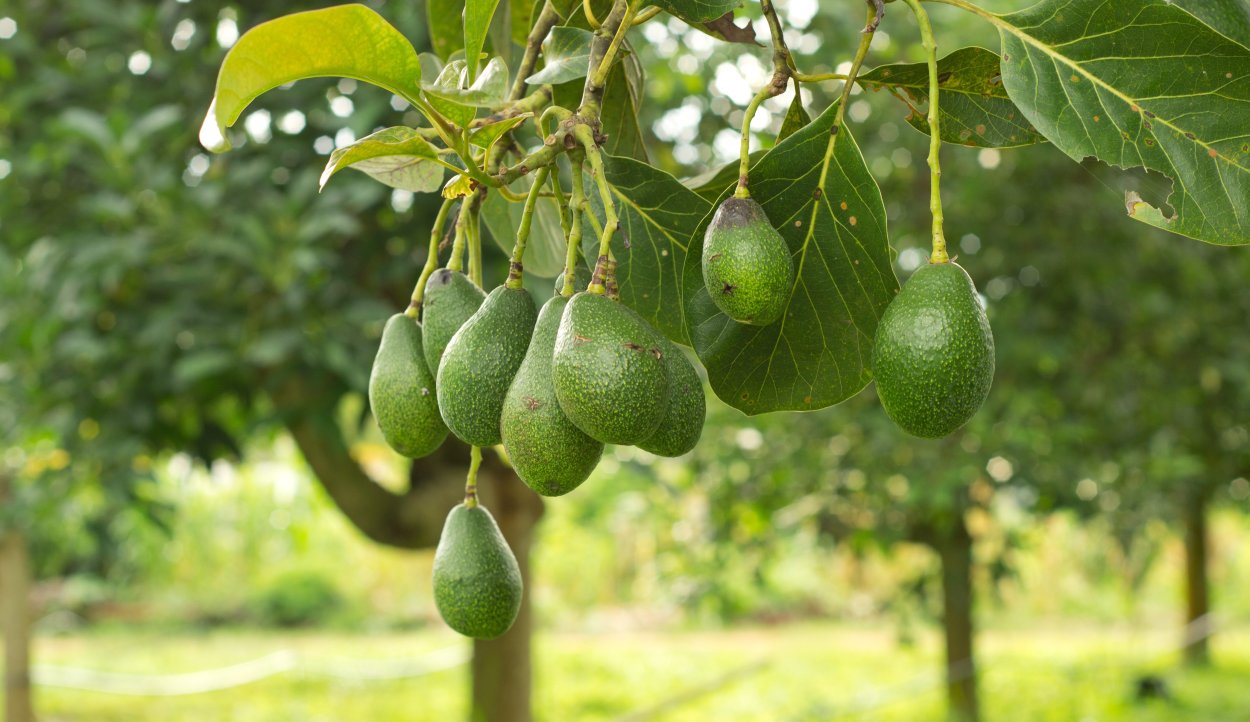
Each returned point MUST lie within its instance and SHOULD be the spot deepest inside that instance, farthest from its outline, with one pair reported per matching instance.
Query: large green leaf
(818, 193)
(974, 108)
(349, 41)
(444, 26)
(566, 54)
(620, 115)
(477, 17)
(697, 11)
(1141, 83)
(659, 217)
(398, 157)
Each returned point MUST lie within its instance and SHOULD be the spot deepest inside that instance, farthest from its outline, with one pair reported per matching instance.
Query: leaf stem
(817, 77)
(574, 236)
(939, 254)
(586, 137)
(647, 14)
(431, 258)
(470, 481)
(516, 267)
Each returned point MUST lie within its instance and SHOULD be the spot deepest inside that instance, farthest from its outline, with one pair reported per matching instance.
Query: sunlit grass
(809, 672)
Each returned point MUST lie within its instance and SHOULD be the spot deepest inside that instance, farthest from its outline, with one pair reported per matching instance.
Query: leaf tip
(212, 133)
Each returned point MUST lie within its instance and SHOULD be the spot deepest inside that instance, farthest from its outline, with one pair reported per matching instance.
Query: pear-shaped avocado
(401, 391)
(934, 354)
(747, 266)
(477, 583)
(683, 423)
(450, 299)
(547, 451)
(609, 371)
(480, 363)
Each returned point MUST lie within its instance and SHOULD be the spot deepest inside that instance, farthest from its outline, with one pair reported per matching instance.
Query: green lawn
(811, 672)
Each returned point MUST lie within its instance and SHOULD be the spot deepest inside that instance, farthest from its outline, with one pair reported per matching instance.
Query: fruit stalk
(523, 232)
(474, 235)
(470, 481)
(431, 259)
(586, 137)
(939, 254)
(456, 261)
(574, 235)
(783, 68)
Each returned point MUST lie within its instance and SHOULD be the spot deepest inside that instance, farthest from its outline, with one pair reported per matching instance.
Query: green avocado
(683, 423)
(547, 451)
(934, 354)
(401, 391)
(450, 298)
(480, 363)
(747, 266)
(477, 583)
(609, 371)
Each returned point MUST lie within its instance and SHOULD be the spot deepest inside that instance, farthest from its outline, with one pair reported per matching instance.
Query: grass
(810, 672)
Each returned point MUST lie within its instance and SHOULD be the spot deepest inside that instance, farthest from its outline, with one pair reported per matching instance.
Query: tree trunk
(502, 668)
(954, 547)
(1197, 591)
(15, 620)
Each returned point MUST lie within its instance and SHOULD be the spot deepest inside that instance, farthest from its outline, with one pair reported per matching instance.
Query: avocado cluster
(552, 386)
(934, 353)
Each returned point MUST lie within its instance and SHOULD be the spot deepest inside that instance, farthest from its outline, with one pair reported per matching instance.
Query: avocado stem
(939, 254)
(431, 259)
(523, 232)
(586, 137)
(455, 261)
(783, 70)
(574, 236)
(474, 233)
(470, 481)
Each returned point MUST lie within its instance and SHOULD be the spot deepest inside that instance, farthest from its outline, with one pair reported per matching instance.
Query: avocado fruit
(682, 425)
(550, 454)
(747, 267)
(450, 299)
(401, 391)
(477, 583)
(609, 371)
(480, 362)
(934, 353)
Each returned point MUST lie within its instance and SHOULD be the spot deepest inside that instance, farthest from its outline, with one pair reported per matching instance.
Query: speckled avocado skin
(480, 362)
(747, 266)
(609, 371)
(450, 299)
(682, 426)
(934, 354)
(477, 583)
(401, 391)
(548, 452)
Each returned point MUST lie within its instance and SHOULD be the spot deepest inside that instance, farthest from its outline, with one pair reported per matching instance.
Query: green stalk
(574, 234)
(610, 222)
(939, 254)
(456, 261)
(516, 268)
(744, 162)
(470, 482)
(474, 232)
(431, 258)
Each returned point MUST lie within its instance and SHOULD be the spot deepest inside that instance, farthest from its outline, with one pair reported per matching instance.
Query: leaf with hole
(1141, 83)
(349, 41)
(973, 107)
(398, 157)
(818, 193)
